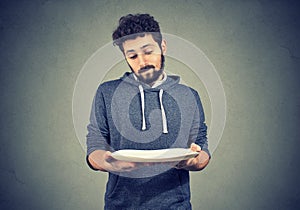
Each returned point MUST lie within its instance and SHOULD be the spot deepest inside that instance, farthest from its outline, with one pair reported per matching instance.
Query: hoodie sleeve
(198, 133)
(98, 132)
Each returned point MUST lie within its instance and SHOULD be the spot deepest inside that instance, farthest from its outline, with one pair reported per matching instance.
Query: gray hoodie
(127, 114)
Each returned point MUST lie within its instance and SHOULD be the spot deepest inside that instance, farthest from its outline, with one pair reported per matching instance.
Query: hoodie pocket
(111, 184)
(183, 188)
(179, 189)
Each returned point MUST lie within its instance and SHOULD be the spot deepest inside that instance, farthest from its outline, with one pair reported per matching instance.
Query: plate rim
(133, 158)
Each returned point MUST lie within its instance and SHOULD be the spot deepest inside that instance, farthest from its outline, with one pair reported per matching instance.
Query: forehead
(139, 42)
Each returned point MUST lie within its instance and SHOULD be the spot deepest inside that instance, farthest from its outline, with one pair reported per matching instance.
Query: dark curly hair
(132, 26)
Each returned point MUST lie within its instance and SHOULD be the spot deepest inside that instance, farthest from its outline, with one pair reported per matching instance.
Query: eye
(132, 57)
(148, 52)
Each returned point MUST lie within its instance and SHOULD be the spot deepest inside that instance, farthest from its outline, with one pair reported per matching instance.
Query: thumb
(195, 147)
(108, 157)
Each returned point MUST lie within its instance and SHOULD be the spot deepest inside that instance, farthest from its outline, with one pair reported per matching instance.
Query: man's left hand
(197, 163)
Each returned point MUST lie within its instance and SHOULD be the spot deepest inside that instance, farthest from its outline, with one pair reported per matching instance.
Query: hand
(189, 162)
(103, 161)
(113, 165)
(196, 163)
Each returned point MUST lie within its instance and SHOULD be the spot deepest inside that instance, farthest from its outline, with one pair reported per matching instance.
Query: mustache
(146, 68)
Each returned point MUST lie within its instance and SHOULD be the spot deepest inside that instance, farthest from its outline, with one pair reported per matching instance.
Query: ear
(164, 46)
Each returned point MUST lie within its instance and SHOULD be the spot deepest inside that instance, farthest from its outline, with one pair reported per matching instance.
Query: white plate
(161, 155)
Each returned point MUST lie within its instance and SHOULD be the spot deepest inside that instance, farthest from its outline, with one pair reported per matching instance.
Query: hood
(142, 87)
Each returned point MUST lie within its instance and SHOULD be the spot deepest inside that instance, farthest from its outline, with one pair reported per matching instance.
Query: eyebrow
(143, 47)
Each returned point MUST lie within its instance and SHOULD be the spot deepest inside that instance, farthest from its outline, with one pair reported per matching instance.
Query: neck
(160, 78)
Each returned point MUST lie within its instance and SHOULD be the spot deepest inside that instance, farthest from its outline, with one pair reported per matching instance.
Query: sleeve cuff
(90, 165)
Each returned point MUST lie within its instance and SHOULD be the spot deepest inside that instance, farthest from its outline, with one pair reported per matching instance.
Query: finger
(181, 164)
(128, 168)
(122, 166)
(147, 164)
(195, 147)
(177, 166)
(108, 158)
(190, 162)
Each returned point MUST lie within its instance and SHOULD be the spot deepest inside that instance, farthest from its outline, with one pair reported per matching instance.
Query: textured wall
(254, 45)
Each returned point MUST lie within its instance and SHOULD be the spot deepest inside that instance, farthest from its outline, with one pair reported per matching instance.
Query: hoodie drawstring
(143, 106)
(163, 114)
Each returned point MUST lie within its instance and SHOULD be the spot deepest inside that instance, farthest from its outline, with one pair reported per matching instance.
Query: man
(145, 110)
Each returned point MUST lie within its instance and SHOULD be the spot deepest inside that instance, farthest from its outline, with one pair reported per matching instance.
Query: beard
(151, 76)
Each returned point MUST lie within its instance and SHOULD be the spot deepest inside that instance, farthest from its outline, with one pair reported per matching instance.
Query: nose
(142, 61)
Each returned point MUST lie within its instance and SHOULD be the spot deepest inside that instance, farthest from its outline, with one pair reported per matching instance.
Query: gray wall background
(254, 45)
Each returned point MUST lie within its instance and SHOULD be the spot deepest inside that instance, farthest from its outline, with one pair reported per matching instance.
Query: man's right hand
(113, 165)
(103, 161)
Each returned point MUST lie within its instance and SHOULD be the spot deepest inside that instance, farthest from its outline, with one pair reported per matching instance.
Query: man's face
(144, 57)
